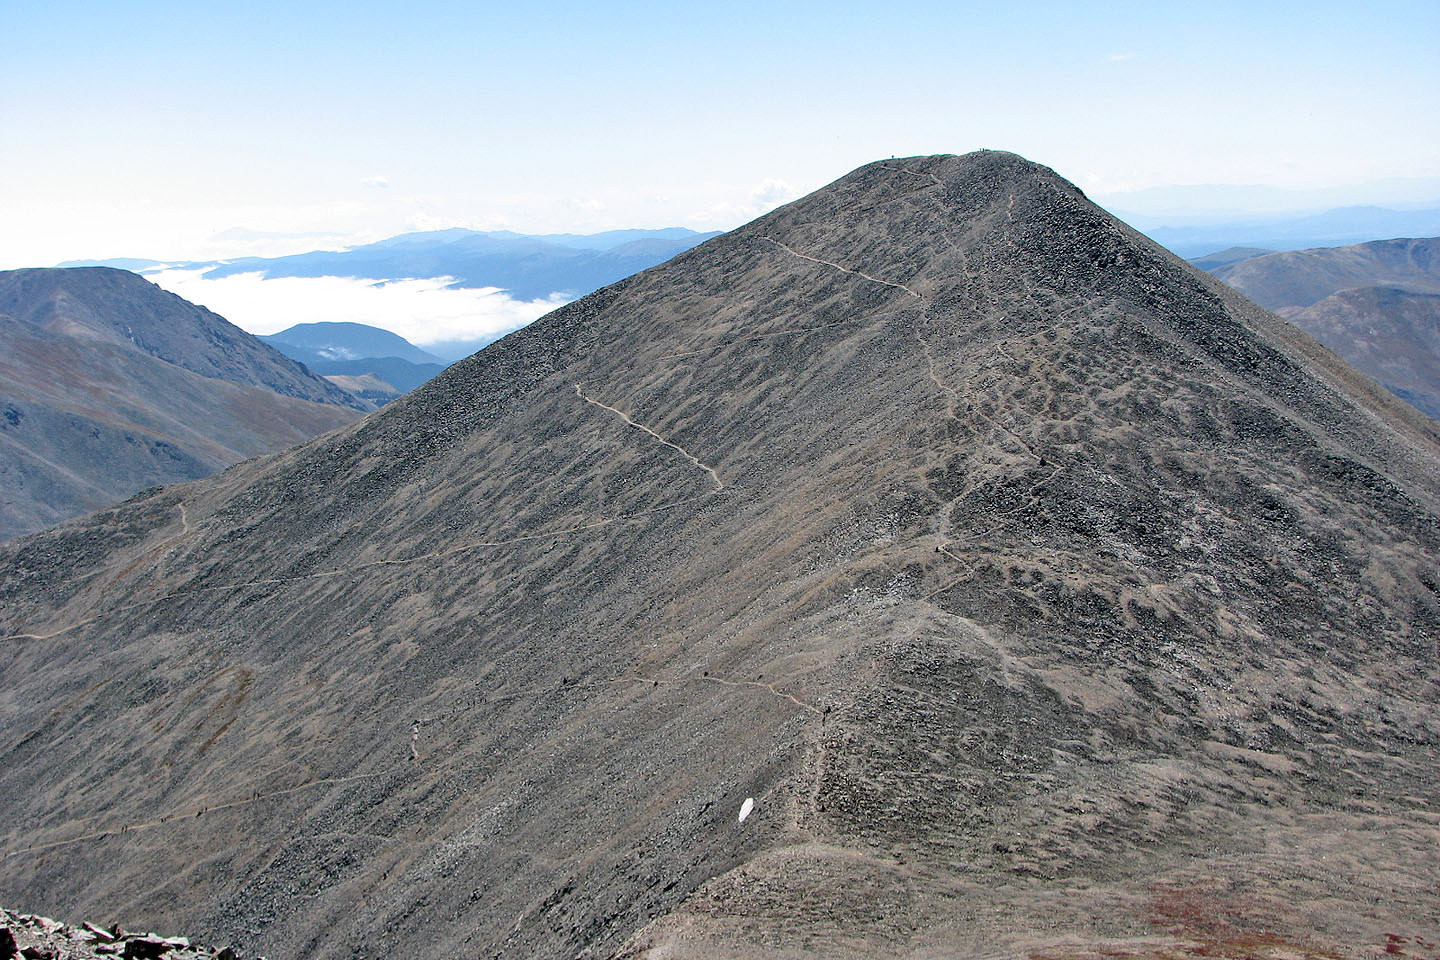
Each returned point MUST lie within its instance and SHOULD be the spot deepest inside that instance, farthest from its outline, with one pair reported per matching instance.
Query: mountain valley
(1374, 304)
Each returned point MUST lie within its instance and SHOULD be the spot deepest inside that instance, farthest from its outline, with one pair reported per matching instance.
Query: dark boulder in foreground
(41, 938)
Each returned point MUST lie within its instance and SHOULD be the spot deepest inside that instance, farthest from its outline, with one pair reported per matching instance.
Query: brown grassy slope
(92, 304)
(85, 423)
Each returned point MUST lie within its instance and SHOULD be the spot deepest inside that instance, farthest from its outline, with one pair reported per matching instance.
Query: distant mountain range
(933, 567)
(376, 364)
(526, 267)
(1194, 236)
(1298, 278)
(1375, 304)
(109, 384)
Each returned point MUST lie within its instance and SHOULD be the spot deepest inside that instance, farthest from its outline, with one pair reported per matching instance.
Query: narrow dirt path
(191, 810)
(356, 568)
(854, 273)
(952, 396)
(915, 173)
(769, 687)
(719, 484)
(198, 806)
(765, 686)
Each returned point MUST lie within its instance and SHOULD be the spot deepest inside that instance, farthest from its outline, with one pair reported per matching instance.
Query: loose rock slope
(932, 567)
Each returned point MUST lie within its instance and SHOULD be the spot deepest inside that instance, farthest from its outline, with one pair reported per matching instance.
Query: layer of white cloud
(421, 311)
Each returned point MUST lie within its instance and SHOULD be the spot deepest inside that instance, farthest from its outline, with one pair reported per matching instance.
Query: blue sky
(197, 130)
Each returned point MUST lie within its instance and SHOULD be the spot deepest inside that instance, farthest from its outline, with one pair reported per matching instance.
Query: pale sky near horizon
(185, 130)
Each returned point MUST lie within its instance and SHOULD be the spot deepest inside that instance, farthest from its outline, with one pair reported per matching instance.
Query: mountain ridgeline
(109, 384)
(1375, 304)
(931, 567)
(99, 304)
(1299, 278)
(525, 267)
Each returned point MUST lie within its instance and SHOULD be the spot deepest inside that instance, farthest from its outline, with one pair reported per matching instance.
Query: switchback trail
(355, 568)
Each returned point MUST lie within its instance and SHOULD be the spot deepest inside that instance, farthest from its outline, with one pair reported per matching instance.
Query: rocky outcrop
(25, 935)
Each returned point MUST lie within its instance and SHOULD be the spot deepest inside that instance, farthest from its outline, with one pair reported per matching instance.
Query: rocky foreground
(41, 938)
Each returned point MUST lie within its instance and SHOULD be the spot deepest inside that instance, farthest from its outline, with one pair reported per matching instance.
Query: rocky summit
(933, 567)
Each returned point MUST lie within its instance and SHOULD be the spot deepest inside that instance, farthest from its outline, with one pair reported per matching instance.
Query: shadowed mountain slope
(1388, 334)
(1302, 277)
(1044, 595)
(109, 385)
(98, 304)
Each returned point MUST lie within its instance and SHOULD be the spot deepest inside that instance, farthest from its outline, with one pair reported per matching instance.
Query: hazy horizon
(181, 132)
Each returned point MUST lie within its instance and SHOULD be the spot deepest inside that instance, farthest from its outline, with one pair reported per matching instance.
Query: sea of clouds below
(424, 311)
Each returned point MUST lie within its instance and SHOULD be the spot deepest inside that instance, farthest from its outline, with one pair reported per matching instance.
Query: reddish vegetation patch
(1411, 948)
(1221, 923)
(1209, 920)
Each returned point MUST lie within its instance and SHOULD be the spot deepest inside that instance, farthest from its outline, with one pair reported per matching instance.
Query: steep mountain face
(932, 567)
(1388, 334)
(1303, 277)
(91, 411)
(99, 304)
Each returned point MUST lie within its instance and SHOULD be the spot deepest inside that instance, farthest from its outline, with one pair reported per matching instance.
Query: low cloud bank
(422, 311)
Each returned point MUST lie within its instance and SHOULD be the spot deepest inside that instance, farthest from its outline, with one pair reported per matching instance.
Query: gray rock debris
(41, 938)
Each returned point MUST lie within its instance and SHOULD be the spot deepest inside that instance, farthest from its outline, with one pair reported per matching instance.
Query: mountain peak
(932, 560)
